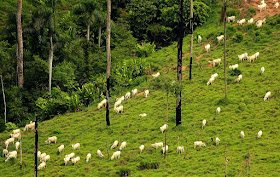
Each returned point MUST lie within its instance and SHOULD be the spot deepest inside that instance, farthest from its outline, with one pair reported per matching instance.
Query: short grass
(244, 110)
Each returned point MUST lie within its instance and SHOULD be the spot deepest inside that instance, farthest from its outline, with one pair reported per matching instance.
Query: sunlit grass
(244, 110)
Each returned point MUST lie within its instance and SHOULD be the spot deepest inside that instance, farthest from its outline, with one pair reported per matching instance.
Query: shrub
(10, 126)
(235, 72)
(57, 103)
(274, 21)
(145, 49)
(64, 76)
(251, 11)
(242, 106)
(124, 172)
(148, 165)
(267, 29)
(238, 37)
(231, 30)
(232, 12)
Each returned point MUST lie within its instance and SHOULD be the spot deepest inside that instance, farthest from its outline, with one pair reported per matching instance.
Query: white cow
(199, 39)
(207, 48)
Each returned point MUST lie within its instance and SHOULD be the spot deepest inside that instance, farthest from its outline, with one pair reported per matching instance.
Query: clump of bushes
(235, 72)
(145, 49)
(251, 11)
(148, 165)
(10, 126)
(232, 12)
(124, 172)
(238, 37)
(58, 102)
(231, 30)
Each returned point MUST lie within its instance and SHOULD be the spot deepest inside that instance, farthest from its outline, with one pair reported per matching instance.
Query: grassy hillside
(245, 111)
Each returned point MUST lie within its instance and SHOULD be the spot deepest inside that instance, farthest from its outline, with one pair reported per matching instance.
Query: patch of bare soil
(269, 12)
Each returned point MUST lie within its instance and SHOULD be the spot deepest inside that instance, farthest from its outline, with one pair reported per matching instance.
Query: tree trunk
(20, 152)
(225, 34)
(4, 100)
(166, 123)
(20, 46)
(191, 49)
(179, 64)
(88, 31)
(50, 64)
(99, 36)
(108, 150)
(108, 47)
(17, 66)
(226, 161)
(249, 162)
(36, 146)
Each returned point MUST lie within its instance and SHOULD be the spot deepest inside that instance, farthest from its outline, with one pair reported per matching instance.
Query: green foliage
(10, 126)
(91, 91)
(123, 43)
(64, 76)
(17, 110)
(252, 11)
(145, 49)
(233, 12)
(2, 125)
(124, 172)
(231, 30)
(238, 37)
(148, 164)
(201, 13)
(141, 14)
(243, 110)
(235, 72)
(167, 84)
(126, 72)
(57, 103)
(274, 21)
(157, 21)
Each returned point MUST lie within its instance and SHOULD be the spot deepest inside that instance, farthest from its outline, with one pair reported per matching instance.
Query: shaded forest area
(74, 32)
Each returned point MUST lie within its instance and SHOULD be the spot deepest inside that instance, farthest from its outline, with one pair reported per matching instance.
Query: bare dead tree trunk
(4, 100)
(225, 36)
(88, 31)
(20, 152)
(36, 147)
(226, 161)
(50, 64)
(108, 46)
(99, 36)
(166, 124)
(20, 45)
(249, 162)
(108, 150)
(191, 48)
(179, 63)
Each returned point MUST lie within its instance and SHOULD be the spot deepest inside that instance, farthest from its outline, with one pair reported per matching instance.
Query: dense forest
(73, 34)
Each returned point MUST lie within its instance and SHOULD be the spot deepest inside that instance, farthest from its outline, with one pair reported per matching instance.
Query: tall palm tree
(87, 9)
(20, 45)
(100, 19)
(44, 18)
